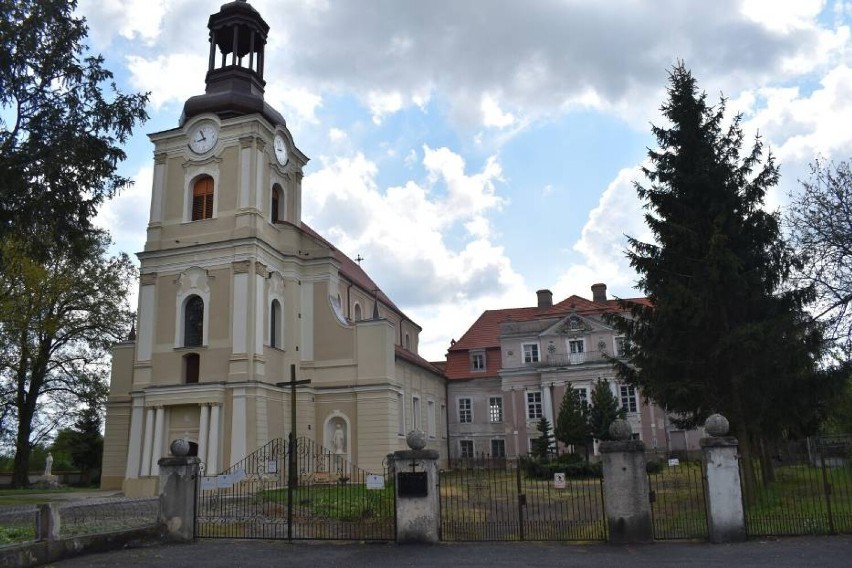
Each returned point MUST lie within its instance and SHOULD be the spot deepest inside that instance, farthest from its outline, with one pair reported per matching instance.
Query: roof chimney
(599, 293)
(545, 298)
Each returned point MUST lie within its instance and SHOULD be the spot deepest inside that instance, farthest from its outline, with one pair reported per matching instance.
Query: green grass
(19, 497)
(13, 534)
(339, 502)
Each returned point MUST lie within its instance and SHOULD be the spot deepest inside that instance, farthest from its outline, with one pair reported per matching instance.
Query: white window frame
(531, 404)
(628, 399)
(584, 393)
(467, 443)
(528, 355)
(416, 418)
(620, 350)
(498, 407)
(503, 442)
(477, 361)
(400, 400)
(430, 418)
(465, 412)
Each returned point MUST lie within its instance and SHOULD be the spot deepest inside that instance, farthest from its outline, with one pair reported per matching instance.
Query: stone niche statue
(338, 438)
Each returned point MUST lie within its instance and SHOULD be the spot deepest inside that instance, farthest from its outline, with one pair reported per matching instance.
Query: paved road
(833, 551)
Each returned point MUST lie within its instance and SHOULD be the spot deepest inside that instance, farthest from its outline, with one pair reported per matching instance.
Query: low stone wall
(46, 551)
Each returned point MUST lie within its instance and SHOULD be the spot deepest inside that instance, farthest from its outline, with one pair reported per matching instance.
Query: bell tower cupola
(234, 80)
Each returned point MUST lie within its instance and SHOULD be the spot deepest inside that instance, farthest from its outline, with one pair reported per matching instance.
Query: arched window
(357, 312)
(277, 206)
(202, 199)
(275, 324)
(193, 322)
(191, 367)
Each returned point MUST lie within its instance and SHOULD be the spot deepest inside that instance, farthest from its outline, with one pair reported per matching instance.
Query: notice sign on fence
(375, 481)
(559, 480)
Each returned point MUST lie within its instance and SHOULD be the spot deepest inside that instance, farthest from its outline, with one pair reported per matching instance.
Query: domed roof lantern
(234, 81)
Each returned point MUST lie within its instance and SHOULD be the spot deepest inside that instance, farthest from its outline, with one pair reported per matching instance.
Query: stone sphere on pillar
(416, 439)
(179, 447)
(620, 430)
(716, 425)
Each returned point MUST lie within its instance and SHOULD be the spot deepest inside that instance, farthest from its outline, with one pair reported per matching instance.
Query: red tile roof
(485, 331)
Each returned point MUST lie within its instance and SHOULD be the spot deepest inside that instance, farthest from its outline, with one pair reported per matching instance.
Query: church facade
(235, 290)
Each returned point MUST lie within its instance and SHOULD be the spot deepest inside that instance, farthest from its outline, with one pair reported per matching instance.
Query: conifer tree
(542, 447)
(724, 331)
(572, 423)
(604, 410)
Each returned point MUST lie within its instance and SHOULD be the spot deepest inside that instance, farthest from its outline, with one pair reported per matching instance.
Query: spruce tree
(724, 332)
(603, 411)
(542, 447)
(572, 423)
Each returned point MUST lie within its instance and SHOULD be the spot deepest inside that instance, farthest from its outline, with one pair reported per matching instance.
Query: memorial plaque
(412, 484)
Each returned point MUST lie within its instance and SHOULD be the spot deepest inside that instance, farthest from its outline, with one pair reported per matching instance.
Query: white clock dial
(202, 138)
(280, 149)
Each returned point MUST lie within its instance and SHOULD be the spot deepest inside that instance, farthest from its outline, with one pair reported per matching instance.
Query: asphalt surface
(833, 551)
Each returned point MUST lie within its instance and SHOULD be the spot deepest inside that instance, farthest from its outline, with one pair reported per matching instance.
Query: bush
(654, 466)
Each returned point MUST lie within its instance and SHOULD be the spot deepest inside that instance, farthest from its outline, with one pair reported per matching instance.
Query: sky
(473, 152)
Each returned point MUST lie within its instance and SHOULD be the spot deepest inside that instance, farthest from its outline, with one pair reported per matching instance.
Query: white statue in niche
(338, 439)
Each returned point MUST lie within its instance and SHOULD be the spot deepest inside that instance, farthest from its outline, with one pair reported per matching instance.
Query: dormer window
(477, 361)
(531, 353)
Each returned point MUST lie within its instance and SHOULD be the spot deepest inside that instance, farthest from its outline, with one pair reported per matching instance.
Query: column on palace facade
(203, 432)
(147, 445)
(547, 403)
(157, 452)
(213, 441)
(134, 449)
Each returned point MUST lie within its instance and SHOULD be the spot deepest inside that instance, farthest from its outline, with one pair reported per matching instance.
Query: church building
(235, 289)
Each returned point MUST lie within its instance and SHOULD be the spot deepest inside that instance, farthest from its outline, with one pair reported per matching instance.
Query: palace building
(235, 289)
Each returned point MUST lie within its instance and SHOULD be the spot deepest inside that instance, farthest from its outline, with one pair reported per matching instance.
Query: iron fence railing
(324, 496)
(678, 502)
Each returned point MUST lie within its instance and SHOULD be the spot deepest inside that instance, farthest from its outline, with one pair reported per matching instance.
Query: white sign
(272, 466)
(208, 483)
(559, 480)
(375, 481)
(673, 462)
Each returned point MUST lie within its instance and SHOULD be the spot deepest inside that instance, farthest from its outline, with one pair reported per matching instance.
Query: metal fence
(806, 488)
(678, 502)
(499, 500)
(323, 497)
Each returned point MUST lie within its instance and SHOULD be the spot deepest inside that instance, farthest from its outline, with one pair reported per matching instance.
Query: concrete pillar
(157, 450)
(416, 484)
(48, 522)
(147, 445)
(213, 441)
(134, 444)
(203, 431)
(626, 502)
(178, 476)
(725, 515)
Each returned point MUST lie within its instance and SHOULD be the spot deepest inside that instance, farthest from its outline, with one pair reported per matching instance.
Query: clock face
(280, 150)
(203, 137)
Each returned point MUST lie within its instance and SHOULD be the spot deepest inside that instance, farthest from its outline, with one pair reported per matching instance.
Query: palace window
(202, 199)
(498, 448)
(465, 411)
(477, 361)
(415, 406)
(628, 398)
(466, 448)
(622, 346)
(495, 408)
(193, 322)
(430, 418)
(534, 408)
(530, 352)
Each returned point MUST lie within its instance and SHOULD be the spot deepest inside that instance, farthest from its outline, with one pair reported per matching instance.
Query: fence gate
(496, 499)
(678, 502)
(329, 498)
(806, 490)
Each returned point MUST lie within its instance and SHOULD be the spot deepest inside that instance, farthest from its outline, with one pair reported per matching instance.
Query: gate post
(178, 482)
(625, 482)
(725, 516)
(416, 487)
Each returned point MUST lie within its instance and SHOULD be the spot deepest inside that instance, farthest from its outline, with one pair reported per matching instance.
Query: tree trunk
(21, 471)
(767, 468)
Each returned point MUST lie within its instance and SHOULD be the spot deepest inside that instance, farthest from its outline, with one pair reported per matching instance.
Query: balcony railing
(569, 359)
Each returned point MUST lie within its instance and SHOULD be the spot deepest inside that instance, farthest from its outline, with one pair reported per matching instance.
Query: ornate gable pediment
(575, 325)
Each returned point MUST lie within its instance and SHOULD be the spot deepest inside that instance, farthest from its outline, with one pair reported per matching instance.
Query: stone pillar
(157, 451)
(48, 522)
(626, 501)
(203, 431)
(148, 444)
(416, 484)
(212, 465)
(725, 515)
(178, 477)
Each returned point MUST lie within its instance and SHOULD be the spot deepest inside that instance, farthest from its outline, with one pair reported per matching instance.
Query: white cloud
(125, 216)
(169, 78)
(383, 103)
(128, 18)
(493, 116)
